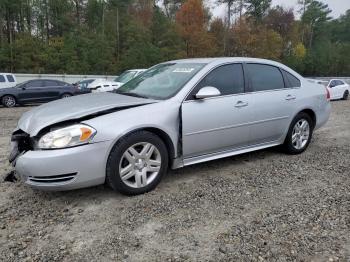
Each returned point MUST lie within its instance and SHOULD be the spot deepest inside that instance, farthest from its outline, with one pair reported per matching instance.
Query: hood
(74, 108)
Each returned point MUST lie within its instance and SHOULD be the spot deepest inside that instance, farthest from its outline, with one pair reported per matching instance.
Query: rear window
(339, 82)
(265, 77)
(50, 83)
(10, 78)
(2, 79)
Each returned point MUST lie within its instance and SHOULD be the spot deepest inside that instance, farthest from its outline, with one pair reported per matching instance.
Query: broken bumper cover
(64, 169)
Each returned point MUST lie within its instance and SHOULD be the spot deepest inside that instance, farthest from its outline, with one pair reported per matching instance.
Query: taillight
(328, 95)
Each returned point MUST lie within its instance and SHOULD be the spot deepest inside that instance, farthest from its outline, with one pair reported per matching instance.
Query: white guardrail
(346, 79)
(75, 78)
(66, 78)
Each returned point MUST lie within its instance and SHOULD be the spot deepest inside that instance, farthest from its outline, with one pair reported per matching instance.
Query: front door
(31, 91)
(219, 123)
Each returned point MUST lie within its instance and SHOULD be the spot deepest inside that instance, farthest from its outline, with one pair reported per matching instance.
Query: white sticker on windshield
(183, 70)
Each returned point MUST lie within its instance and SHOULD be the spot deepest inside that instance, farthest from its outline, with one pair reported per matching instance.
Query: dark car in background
(38, 91)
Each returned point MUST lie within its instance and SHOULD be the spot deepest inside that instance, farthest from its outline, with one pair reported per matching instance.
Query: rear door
(51, 90)
(216, 124)
(341, 87)
(273, 101)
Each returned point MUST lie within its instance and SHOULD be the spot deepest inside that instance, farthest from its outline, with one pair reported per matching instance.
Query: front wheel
(299, 134)
(8, 101)
(137, 163)
(346, 95)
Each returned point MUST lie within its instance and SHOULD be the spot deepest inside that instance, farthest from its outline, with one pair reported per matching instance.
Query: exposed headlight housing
(74, 135)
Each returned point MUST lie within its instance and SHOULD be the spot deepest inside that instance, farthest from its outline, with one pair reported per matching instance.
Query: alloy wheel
(140, 165)
(301, 134)
(9, 101)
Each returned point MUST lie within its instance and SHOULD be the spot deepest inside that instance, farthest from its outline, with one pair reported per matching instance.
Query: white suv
(7, 80)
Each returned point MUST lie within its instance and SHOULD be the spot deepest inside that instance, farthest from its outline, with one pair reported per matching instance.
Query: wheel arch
(311, 113)
(68, 93)
(164, 136)
(14, 96)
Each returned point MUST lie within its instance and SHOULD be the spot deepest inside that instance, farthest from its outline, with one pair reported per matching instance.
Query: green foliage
(109, 36)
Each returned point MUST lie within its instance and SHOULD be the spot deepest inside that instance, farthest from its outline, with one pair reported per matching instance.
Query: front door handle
(241, 104)
(290, 97)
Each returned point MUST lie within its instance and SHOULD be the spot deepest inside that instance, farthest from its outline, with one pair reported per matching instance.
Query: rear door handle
(290, 97)
(241, 104)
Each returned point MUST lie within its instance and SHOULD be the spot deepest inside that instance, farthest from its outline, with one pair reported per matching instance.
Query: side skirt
(177, 163)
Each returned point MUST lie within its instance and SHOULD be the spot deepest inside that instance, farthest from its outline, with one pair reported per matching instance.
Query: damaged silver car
(175, 114)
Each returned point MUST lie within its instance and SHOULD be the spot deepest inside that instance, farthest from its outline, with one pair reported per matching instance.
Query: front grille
(53, 179)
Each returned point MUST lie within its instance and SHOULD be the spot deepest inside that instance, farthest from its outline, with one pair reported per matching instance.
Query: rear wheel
(137, 163)
(299, 134)
(65, 95)
(8, 101)
(346, 95)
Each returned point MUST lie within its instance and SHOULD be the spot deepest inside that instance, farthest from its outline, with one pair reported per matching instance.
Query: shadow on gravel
(173, 177)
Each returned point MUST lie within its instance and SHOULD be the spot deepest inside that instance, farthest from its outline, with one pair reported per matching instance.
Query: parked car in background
(83, 84)
(7, 80)
(128, 75)
(37, 91)
(338, 89)
(102, 85)
(176, 114)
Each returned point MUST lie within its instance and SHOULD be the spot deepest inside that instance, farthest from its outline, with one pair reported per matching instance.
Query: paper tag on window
(183, 70)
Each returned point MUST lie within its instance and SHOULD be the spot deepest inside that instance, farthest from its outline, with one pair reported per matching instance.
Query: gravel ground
(258, 206)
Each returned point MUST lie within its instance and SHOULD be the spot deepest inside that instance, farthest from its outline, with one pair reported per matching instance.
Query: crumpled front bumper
(64, 169)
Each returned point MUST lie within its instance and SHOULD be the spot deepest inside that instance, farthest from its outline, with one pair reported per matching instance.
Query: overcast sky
(337, 6)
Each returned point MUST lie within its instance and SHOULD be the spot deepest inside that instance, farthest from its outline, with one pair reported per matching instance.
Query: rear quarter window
(290, 80)
(10, 78)
(2, 79)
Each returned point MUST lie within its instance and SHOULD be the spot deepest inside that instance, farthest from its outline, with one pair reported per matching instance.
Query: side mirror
(23, 88)
(207, 91)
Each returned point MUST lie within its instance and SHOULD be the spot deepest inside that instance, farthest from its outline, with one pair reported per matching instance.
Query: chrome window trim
(246, 85)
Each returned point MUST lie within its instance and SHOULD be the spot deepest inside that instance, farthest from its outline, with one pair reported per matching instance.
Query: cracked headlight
(74, 135)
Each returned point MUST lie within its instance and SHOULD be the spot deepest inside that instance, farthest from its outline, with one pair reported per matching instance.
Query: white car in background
(338, 89)
(7, 80)
(127, 75)
(102, 85)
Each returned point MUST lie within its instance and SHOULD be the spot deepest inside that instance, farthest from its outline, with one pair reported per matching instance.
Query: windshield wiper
(131, 94)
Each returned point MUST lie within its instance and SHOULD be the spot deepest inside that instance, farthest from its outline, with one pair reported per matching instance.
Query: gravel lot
(259, 206)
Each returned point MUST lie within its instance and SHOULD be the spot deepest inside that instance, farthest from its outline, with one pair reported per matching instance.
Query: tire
(65, 95)
(8, 101)
(346, 95)
(298, 145)
(144, 171)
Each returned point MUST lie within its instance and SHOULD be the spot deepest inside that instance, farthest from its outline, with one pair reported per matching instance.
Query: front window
(161, 81)
(125, 77)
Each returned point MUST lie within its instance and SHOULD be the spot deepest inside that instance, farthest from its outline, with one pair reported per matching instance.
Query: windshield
(125, 77)
(161, 81)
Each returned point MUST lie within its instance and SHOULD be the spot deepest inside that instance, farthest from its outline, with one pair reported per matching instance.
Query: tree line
(109, 36)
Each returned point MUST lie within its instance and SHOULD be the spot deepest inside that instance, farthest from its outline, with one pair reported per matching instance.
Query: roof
(224, 59)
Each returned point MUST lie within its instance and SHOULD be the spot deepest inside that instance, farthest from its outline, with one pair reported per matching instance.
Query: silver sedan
(175, 114)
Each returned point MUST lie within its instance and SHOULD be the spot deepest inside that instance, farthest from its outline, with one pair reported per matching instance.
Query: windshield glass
(125, 77)
(161, 81)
